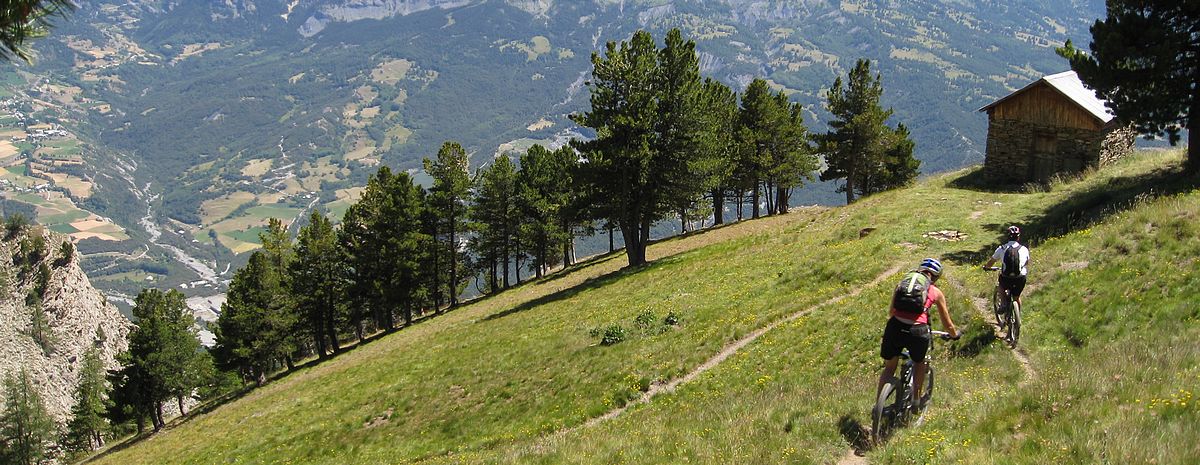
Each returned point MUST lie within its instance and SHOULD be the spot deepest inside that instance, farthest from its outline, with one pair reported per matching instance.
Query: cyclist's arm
(990, 262)
(944, 313)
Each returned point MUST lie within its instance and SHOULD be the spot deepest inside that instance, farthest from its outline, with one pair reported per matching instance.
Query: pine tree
(22, 20)
(544, 192)
(721, 112)
(495, 218)
(1143, 61)
(448, 199)
(859, 142)
(385, 247)
(86, 429)
(255, 332)
(25, 426)
(164, 350)
(317, 282)
(646, 111)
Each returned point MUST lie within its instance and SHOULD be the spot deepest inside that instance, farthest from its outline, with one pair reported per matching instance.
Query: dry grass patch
(257, 168)
(217, 209)
(391, 72)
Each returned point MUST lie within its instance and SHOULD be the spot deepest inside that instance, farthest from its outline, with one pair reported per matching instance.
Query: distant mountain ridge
(199, 119)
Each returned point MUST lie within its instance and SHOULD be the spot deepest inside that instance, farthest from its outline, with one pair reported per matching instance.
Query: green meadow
(522, 376)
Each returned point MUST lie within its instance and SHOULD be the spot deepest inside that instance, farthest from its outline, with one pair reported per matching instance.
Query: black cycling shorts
(899, 335)
(1013, 284)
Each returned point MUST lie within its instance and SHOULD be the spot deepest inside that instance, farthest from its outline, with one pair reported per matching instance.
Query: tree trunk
(507, 262)
(754, 198)
(610, 238)
(718, 199)
(682, 221)
(179, 401)
(1192, 165)
(635, 249)
(768, 190)
(453, 287)
(850, 173)
(741, 202)
(781, 201)
(319, 338)
(493, 281)
(331, 331)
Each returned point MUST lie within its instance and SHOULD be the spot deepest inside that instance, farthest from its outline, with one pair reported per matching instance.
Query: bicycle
(1007, 311)
(894, 403)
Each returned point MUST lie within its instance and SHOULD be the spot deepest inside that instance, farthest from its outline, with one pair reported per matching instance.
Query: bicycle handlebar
(945, 336)
(991, 268)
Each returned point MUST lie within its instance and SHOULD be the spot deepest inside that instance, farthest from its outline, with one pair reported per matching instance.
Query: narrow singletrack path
(981, 307)
(730, 349)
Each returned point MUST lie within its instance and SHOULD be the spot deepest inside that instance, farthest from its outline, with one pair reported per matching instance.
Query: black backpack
(1012, 262)
(911, 293)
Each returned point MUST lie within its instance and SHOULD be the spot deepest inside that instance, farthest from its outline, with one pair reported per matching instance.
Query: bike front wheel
(885, 416)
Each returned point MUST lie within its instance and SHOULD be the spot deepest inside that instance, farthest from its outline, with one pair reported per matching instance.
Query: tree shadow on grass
(595, 282)
(1084, 208)
(856, 434)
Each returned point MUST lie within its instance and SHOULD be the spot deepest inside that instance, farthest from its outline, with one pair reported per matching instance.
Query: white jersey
(1022, 252)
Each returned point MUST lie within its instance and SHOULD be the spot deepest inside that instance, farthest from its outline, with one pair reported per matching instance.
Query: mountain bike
(1007, 311)
(894, 403)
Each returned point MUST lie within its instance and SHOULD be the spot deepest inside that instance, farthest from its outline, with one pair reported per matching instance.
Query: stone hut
(1054, 126)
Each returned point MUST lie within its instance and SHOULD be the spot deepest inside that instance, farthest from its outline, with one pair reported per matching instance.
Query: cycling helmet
(1014, 231)
(931, 265)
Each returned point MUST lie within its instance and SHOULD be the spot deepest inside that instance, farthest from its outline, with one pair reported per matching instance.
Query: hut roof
(1068, 84)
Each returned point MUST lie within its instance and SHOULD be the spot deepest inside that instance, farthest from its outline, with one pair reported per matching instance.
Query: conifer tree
(646, 111)
(544, 192)
(719, 143)
(25, 424)
(494, 215)
(318, 284)
(22, 20)
(385, 247)
(86, 429)
(1144, 62)
(859, 142)
(165, 349)
(448, 200)
(255, 332)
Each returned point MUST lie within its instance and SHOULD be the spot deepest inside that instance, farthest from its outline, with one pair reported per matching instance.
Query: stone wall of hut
(1020, 151)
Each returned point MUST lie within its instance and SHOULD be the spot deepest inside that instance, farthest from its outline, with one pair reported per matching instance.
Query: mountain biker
(1012, 280)
(911, 331)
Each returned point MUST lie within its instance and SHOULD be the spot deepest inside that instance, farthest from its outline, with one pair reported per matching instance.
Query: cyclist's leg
(889, 372)
(1017, 287)
(918, 346)
(889, 351)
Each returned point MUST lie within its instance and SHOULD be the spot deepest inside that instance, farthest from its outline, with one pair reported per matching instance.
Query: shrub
(672, 319)
(612, 335)
(14, 224)
(66, 254)
(645, 319)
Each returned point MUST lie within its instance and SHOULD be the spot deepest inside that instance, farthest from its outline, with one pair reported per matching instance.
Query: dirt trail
(981, 306)
(732, 348)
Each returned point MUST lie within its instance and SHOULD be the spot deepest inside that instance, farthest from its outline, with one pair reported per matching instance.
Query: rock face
(76, 315)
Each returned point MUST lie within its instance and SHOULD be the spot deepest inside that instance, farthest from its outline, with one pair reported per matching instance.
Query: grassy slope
(486, 382)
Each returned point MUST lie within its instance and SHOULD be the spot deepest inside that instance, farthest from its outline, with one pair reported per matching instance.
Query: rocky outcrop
(76, 318)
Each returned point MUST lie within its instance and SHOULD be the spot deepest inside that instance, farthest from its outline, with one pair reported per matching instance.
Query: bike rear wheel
(1014, 324)
(885, 417)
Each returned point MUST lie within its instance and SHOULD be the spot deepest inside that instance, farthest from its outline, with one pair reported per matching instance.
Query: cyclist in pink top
(911, 330)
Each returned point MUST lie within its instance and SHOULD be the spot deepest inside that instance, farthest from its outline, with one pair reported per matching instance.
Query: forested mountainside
(163, 134)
